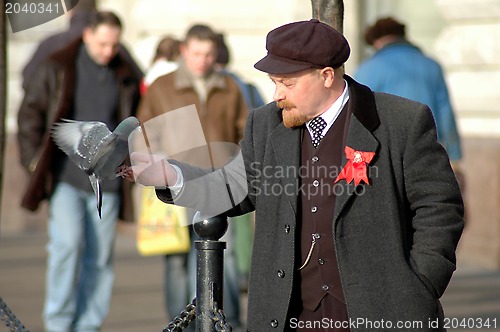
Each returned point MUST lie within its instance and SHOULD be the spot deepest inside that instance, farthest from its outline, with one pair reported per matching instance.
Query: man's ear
(183, 48)
(87, 33)
(328, 75)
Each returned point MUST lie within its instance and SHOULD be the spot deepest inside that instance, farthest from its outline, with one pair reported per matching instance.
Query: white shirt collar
(332, 113)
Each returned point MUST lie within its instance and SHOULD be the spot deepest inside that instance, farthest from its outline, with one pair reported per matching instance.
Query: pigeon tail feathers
(96, 185)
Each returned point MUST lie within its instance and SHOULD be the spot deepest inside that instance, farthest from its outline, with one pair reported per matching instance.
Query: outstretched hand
(149, 170)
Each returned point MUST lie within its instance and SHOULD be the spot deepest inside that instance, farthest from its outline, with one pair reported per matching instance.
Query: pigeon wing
(109, 156)
(114, 149)
(98, 145)
(82, 141)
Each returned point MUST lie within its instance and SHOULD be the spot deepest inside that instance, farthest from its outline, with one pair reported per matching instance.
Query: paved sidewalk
(137, 299)
(137, 303)
(472, 298)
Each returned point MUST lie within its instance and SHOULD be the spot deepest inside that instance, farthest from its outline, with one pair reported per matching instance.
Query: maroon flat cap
(302, 45)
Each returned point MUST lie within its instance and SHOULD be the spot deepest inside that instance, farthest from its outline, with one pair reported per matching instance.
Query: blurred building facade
(464, 35)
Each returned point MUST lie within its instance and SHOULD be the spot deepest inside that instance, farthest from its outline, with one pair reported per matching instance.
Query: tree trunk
(330, 12)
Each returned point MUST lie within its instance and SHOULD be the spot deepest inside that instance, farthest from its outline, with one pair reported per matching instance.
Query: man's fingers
(140, 157)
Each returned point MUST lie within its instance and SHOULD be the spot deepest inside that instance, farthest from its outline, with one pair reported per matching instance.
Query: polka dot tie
(317, 125)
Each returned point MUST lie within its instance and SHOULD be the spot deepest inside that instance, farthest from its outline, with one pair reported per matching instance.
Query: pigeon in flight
(94, 148)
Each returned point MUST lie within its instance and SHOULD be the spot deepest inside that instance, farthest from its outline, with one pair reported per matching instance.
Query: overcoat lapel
(286, 146)
(364, 119)
(360, 139)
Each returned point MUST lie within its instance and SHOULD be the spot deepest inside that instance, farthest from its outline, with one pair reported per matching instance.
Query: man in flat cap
(358, 213)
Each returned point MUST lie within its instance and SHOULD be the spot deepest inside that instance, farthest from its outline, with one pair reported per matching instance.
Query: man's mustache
(285, 104)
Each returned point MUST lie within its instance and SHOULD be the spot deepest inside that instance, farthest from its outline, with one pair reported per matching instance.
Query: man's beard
(291, 115)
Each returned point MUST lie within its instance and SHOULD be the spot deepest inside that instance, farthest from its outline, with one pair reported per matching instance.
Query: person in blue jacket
(399, 67)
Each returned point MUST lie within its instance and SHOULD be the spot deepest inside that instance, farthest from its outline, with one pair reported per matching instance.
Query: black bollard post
(209, 268)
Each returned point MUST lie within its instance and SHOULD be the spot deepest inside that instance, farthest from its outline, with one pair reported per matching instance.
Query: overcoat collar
(364, 120)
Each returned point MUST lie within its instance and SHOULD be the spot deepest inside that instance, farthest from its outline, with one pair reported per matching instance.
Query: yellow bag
(161, 227)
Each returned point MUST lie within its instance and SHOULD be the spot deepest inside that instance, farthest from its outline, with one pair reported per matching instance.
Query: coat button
(281, 273)
(287, 229)
(314, 209)
(325, 287)
(315, 183)
(321, 261)
(315, 159)
(274, 323)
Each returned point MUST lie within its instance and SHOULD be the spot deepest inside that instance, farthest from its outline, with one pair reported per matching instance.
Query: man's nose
(278, 94)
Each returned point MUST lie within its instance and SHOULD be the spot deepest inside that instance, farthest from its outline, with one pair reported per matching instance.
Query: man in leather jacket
(88, 81)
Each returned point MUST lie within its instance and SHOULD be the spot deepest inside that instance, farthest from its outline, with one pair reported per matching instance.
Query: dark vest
(320, 166)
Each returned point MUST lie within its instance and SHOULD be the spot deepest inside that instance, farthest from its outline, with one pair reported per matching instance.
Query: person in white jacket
(164, 61)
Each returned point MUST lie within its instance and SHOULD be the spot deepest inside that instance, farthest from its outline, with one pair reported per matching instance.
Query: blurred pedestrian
(250, 92)
(87, 80)
(164, 61)
(401, 68)
(79, 16)
(222, 112)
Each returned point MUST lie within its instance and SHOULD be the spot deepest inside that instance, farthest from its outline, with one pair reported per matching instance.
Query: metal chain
(182, 321)
(9, 319)
(219, 318)
(179, 323)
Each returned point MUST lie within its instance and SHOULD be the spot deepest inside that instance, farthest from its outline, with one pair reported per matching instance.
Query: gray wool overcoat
(395, 237)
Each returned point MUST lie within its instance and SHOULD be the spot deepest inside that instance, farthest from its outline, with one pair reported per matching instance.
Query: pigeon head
(126, 127)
